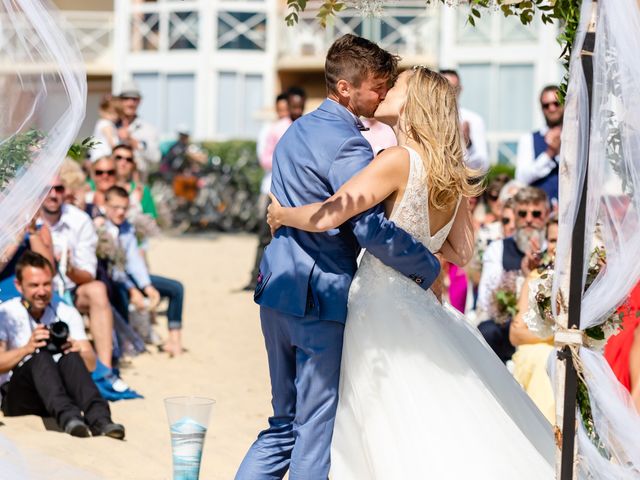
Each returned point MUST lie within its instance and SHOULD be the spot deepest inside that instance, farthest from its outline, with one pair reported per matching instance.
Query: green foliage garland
(15, 153)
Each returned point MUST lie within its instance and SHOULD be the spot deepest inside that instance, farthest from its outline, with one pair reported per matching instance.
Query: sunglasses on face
(506, 221)
(493, 196)
(534, 213)
(547, 105)
(120, 157)
(58, 188)
(118, 208)
(110, 173)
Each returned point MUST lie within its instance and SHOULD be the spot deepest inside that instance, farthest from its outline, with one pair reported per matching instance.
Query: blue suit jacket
(300, 270)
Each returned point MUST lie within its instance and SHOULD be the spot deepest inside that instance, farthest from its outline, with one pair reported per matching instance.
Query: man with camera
(45, 356)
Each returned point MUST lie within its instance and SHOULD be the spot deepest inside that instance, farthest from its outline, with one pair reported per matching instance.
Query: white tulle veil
(613, 217)
(43, 84)
(42, 105)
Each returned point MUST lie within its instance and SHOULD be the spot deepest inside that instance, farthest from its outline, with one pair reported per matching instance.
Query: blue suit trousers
(304, 364)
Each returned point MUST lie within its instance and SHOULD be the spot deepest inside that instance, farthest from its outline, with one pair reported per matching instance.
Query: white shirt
(477, 155)
(16, 324)
(76, 234)
(530, 168)
(104, 133)
(148, 151)
(491, 277)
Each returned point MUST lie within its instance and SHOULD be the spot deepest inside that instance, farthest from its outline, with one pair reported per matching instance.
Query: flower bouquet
(539, 317)
(145, 227)
(504, 302)
(109, 250)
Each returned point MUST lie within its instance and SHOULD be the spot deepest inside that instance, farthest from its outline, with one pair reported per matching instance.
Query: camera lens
(58, 335)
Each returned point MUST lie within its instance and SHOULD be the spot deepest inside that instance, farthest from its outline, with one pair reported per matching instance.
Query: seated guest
(74, 240)
(140, 282)
(126, 176)
(103, 177)
(36, 238)
(504, 259)
(46, 370)
(532, 352)
(75, 184)
(508, 219)
(490, 227)
(484, 236)
(622, 351)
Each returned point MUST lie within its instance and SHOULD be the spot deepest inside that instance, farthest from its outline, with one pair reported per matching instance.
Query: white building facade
(216, 65)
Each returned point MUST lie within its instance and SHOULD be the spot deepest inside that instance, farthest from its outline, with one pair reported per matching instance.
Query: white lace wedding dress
(422, 396)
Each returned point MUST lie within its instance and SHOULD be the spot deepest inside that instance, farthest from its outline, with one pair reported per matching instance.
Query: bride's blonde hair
(430, 120)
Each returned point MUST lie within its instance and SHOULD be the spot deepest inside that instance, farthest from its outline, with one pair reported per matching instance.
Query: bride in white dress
(421, 394)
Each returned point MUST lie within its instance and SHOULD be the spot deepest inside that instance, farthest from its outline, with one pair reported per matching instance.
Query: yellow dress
(530, 370)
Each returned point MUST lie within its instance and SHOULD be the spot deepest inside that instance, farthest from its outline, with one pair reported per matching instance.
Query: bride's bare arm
(384, 175)
(458, 248)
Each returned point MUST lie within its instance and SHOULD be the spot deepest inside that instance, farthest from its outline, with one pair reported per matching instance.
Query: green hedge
(498, 169)
(234, 152)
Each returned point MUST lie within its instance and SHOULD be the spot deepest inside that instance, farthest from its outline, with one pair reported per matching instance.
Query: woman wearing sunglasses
(127, 177)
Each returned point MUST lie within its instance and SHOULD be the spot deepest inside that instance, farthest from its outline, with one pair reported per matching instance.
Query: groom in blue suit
(304, 277)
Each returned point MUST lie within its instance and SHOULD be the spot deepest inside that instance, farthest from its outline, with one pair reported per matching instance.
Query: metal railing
(406, 27)
(95, 37)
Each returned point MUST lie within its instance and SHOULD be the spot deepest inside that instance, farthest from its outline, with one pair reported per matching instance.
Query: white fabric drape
(613, 203)
(43, 85)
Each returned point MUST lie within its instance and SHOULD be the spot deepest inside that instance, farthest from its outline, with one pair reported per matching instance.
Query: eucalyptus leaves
(16, 153)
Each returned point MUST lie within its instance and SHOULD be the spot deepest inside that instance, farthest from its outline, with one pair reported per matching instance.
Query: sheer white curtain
(42, 104)
(43, 86)
(613, 203)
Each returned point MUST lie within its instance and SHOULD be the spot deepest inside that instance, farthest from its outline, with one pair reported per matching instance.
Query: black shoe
(108, 429)
(77, 428)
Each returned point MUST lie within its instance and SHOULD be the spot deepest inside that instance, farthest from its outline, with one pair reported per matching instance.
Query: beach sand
(226, 361)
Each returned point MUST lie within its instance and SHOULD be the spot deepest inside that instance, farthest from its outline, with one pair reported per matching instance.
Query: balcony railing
(94, 34)
(406, 28)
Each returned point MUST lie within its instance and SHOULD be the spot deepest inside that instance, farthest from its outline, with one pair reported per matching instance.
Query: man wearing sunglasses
(538, 153)
(519, 253)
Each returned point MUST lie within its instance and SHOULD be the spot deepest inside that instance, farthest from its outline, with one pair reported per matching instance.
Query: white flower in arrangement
(539, 316)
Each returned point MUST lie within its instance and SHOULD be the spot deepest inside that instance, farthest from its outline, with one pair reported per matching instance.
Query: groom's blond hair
(431, 120)
(353, 58)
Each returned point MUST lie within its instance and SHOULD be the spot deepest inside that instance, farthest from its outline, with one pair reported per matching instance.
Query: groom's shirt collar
(359, 125)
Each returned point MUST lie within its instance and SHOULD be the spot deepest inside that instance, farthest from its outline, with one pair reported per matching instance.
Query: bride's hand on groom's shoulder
(274, 214)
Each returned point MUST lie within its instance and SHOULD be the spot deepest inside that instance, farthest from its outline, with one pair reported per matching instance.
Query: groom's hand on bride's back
(438, 286)
(274, 211)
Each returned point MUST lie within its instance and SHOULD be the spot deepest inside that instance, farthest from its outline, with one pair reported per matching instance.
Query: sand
(226, 361)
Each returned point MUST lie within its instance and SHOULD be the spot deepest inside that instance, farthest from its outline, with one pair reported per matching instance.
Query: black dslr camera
(58, 336)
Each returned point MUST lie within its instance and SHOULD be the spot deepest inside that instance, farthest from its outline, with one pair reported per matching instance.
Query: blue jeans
(174, 291)
(167, 288)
